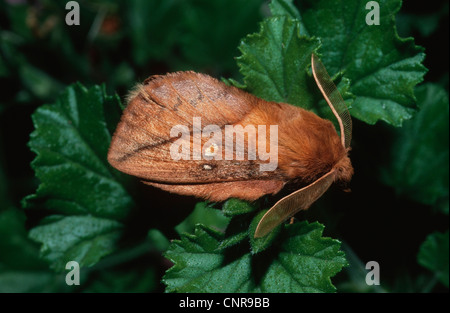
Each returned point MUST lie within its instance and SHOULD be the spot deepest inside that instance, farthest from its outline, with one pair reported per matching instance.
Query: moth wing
(249, 190)
(293, 203)
(141, 145)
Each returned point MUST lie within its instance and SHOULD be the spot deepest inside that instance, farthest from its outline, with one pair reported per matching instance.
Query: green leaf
(420, 151)
(382, 67)
(84, 239)
(71, 140)
(233, 207)
(274, 62)
(205, 214)
(260, 244)
(303, 261)
(241, 214)
(434, 255)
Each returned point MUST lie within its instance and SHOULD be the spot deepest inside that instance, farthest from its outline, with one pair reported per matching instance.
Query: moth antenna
(333, 98)
(293, 203)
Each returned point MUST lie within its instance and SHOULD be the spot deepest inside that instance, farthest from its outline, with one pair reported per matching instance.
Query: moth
(173, 135)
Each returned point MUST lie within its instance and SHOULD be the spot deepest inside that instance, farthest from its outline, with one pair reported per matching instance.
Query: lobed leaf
(382, 67)
(304, 262)
(274, 62)
(71, 140)
(84, 239)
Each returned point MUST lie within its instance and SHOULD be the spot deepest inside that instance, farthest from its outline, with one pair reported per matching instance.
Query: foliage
(433, 255)
(420, 164)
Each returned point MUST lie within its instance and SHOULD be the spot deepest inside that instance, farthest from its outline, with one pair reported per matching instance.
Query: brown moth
(173, 135)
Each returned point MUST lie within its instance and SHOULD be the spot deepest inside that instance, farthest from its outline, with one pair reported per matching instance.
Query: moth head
(344, 171)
